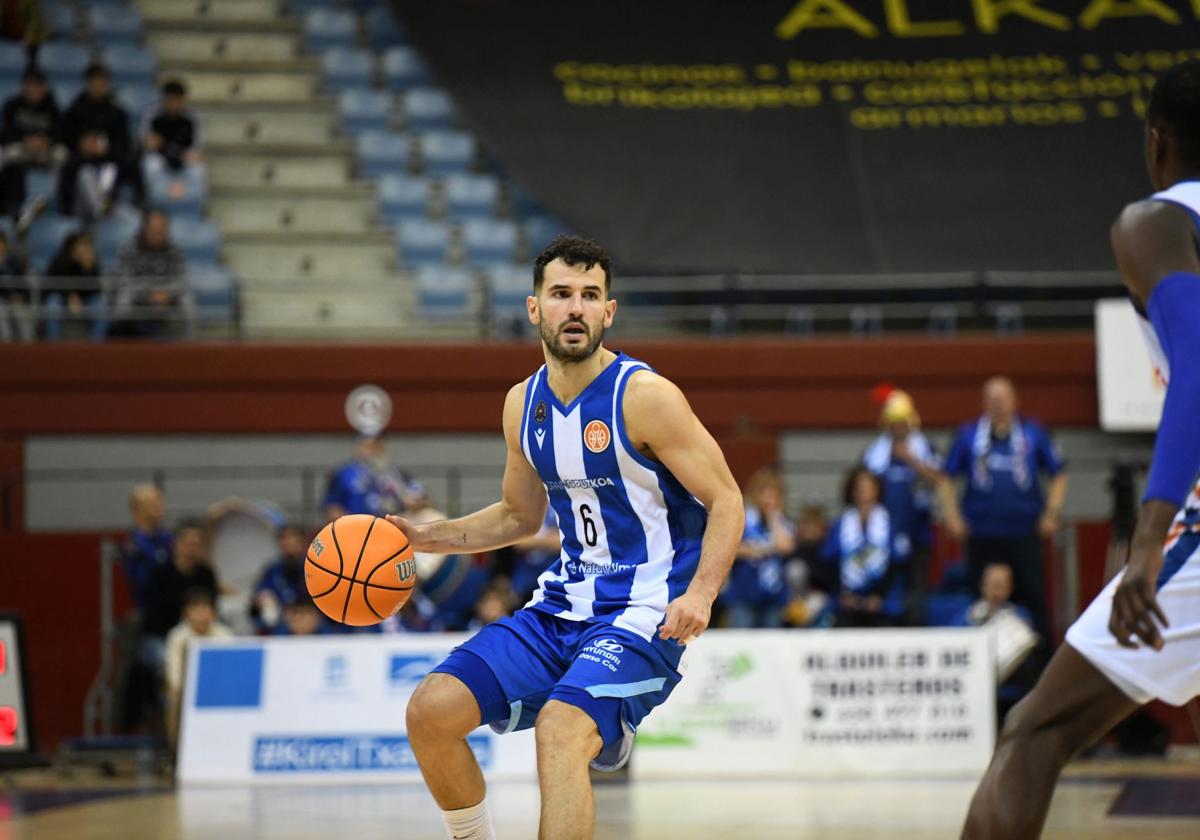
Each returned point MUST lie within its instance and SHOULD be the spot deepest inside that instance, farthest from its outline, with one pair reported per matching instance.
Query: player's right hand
(407, 528)
(1134, 603)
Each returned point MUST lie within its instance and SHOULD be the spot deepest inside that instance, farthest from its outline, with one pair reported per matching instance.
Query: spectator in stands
(809, 581)
(189, 569)
(302, 618)
(869, 559)
(282, 581)
(1004, 515)
(908, 469)
(533, 556)
(30, 137)
(22, 20)
(199, 621)
(151, 296)
(102, 159)
(449, 588)
(170, 134)
(148, 545)
(371, 483)
(71, 289)
(18, 318)
(757, 593)
(1014, 639)
(492, 606)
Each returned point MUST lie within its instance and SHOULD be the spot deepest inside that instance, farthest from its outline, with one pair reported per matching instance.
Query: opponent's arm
(517, 515)
(659, 419)
(1155, 246)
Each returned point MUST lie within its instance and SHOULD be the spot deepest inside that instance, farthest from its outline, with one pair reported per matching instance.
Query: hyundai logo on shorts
(609, 645)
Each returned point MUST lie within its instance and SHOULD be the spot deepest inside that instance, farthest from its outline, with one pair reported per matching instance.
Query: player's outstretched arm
(1155, 246)
(658, 418)
(517, 515)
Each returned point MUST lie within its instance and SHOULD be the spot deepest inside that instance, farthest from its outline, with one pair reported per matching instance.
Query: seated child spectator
(757, 593)
(869, 560)
(282, 581)
(302, 618)
(199, 622)
(72, 294)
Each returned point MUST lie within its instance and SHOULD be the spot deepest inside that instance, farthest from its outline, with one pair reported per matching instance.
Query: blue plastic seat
(471, 196)
(12, 62)
(403, 197)
(46, 235)
(344, 67)
(199, 240)
(363, 109)
(131, 64)
(428, 108)
(111, 234)
(447, 152)
(40, 182)
(403, 68)
(540, 231)
(188, 202)
(324, 28)
(60, 19)
(115, 23)
(489, 241)
(382, 27)
(300, 7)
(214, 289)
(422, 242)
(64, 63)
(382, 152)
(508, 288)
(445, 293)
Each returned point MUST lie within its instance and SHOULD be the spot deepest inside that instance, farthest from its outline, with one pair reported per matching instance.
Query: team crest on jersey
(596, 436)
(539, 413)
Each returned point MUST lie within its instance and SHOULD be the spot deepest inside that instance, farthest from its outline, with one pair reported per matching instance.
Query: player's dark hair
(574, 251)
(1175, 105)
(852, 479)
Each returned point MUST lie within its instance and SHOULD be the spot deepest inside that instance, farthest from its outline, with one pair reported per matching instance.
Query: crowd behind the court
(863, 563)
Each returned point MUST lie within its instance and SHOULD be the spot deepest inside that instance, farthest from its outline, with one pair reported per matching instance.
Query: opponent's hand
(687, 617)
(413, 532)
(1134, 603)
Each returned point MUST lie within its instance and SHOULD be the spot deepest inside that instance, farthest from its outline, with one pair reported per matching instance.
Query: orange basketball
(360, 569)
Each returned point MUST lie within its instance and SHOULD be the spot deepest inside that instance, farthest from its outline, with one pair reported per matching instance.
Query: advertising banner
(821, 703)
(320, 707)
(1130, 389)
(816, 135)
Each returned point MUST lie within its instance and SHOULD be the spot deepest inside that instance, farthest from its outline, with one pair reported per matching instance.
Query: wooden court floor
(1155, 800)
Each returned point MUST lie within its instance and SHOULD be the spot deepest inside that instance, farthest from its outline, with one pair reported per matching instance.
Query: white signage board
(825, 703)
(291, 709)
(1130, 390)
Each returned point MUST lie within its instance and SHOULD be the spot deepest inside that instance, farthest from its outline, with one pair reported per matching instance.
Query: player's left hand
(687, 617)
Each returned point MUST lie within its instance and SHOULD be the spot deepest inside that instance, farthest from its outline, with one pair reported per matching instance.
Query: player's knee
(563, 729)
(441, 707)
(1027, 727)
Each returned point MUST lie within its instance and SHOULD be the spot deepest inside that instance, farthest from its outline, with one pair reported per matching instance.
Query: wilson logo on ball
(596, 436)
(406, 569)
(318, 547)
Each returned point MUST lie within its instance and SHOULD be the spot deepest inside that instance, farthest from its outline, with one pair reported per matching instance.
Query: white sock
(474, 823)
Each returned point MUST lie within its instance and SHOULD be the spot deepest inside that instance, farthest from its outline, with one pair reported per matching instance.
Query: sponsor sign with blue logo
(406, 669)
(346, 753)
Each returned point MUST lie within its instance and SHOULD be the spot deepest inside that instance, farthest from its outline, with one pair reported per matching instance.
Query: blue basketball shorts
(517, 664)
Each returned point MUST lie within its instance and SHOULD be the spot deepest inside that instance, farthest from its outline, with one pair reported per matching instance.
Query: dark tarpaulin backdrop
(820, 136)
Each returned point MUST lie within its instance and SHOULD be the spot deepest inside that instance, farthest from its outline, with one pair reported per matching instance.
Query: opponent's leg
(1071, 706)
(567, 739)
(441, 712)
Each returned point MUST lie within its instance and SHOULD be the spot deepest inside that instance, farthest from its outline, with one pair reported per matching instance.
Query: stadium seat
(46, 235)
(188, 202)
(111, 234)
(65, 93)
(382, 152)
(40, 182)
(363, 109)
(64, 63)
(428, 108)
(345, 67)
(199, 240)
(540, 231)
(403, 68)
(136, 99)
(301, 7)
(131, 64)
(524, 204)
(422, 242)
(12, 63)
(115, 23)
(382, 27)
(213, 289)
(324, 28)
(403, 197)
(471, 196)
(447, 152)
(60, 18)
(489, 241)
(508, 287)
(445, 292)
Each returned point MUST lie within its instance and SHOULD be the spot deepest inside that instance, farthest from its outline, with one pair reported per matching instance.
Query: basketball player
(1140, 638)
(650, 519)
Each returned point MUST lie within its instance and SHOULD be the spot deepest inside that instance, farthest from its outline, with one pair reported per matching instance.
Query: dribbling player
(650, 518)
(1140, 638)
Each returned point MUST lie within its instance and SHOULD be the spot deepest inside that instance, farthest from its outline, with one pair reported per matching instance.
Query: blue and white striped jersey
(631, 533)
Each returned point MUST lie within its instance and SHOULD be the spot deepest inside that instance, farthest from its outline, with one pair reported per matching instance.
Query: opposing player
(650, 518)
(1140, 638)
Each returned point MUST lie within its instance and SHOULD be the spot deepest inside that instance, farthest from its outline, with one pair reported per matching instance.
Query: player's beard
(552, 339)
